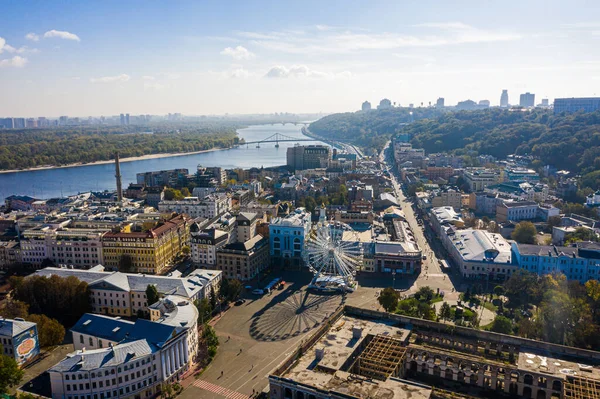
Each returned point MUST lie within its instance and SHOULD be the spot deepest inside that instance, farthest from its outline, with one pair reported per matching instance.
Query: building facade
(19, 339)
(479, 178)
(204, 245)
(287, 236)
(208, 207)
(244, 260)
(585, 104)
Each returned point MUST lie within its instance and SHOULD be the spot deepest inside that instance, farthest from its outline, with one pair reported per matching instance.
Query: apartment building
(207, 207)
(479, 178)
(244, 260)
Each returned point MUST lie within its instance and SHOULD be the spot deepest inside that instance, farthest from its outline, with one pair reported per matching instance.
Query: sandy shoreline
(130, 159)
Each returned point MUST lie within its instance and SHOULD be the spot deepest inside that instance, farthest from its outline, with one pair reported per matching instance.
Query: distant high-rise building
(545, 102)
(585, 104)
(484, 103)
(7, 123)
(504, 99)
(527, 100)
(366, 106)
(122, 117)
(127, 119)
(439, 103)
(63, 120)
(30, 123)
(384, 104)
(302, 157)
(19, 123)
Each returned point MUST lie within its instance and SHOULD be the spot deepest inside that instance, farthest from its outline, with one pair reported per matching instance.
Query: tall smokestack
(118, 176)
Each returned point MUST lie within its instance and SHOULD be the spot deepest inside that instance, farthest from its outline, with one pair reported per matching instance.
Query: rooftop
(331, 364)
(482, 246)
(14, 327)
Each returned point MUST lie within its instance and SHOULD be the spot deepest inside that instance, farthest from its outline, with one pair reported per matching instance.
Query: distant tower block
(118, 176)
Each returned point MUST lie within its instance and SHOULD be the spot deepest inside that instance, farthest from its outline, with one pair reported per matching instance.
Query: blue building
(287, 236)
(19, 339)
(585, 104)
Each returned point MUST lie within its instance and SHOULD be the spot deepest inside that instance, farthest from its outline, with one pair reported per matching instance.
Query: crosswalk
(219, 390)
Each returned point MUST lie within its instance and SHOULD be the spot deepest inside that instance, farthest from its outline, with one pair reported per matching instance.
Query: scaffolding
(380, 358)
(581, 388)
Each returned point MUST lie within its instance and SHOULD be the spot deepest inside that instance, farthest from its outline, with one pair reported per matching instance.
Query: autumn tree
(389, 299)
(50, 331)
(152, 295)
(524, 233)
(11, 309)
(10, 373)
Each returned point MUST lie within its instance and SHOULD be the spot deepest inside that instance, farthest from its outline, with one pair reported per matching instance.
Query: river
(49, 183)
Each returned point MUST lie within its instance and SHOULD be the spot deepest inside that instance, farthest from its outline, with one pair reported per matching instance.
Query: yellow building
(150, 251)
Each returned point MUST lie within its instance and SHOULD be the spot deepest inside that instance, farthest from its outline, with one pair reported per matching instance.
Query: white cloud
(238, 73)
(16, 62)
(148, 77)
(238, 53)
(5, 47)
(110, 79)
(152, 85)
(337, 41)
(32, 36)
(299, 71)
(444, 25)
(61, 35)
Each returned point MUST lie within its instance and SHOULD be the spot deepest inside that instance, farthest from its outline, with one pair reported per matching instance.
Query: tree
(126, 263)
(425, 294)
(63, 299)
(204, 310)
(445, 311)
(499, 290)
(234, 289)
(502, 325)
(581, 234)
(213, 298)
(10, 373)
(389, 299)
(186, 250)
(524, 233)
(12, 309)
(50, 331)
(553, 221)
(152, 295)
(173, 194)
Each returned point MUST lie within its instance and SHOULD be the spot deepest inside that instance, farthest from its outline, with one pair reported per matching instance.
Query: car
(258, 291)
(424, 257)
(248, 287)
(240, 301)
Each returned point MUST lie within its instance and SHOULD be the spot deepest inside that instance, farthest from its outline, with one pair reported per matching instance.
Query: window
(81, 339)
(91, 342)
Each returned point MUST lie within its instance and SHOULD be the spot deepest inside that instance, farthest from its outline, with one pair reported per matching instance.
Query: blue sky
(201, 57)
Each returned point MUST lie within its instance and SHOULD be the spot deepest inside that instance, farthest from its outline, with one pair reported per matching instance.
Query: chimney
(118, 176)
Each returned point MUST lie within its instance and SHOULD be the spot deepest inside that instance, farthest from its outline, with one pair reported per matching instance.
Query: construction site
(362, 353)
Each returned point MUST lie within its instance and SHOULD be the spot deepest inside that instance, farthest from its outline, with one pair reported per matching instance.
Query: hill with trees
(29, 148)
(567, 141)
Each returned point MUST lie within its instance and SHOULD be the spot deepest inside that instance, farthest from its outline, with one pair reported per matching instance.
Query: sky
(241, 57)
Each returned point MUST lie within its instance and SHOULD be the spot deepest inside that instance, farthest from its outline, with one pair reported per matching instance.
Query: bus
(445, 265)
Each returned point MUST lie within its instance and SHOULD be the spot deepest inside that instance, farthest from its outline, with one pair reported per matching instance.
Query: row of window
(113, 393)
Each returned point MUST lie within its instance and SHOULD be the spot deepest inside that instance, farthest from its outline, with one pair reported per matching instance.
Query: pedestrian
(221, 373)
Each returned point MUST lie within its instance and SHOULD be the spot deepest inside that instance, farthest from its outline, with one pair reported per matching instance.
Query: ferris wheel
(334, 254)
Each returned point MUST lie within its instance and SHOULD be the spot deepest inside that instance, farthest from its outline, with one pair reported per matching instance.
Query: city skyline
(201, 59)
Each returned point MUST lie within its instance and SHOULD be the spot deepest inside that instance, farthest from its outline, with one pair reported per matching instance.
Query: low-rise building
(124, 294)
(204, 244)
(208, 207)
(479, 178)
(19, 339)
(445, 216)
(480, 254)
(516, 210)
(244, 260)
(10, 254)
(519, 174)
(148, 354)
(580, 262)
(151, 251)
(397, 257)
(447, 197)
(287, 236)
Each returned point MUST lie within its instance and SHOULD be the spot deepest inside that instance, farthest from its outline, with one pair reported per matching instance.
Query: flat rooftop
(560, 368)
(331, 363)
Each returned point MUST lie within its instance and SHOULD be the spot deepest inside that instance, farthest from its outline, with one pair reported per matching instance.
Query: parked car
(240, 301)
(248, 287)
(258, 291)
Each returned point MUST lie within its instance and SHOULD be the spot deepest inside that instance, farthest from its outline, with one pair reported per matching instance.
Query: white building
(204, 244)
(516, 211)
(480, 254)
(124, 294)
(19, 339)
(208, 207)
(479, 178)
(150, 353)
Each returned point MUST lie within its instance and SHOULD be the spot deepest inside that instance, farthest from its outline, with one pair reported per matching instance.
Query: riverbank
(122, 160)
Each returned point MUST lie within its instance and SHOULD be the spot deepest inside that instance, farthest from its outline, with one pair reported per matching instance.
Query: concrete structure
(287, 236)
(366, 106)
(19, 339)
(581, 262)
(246, 223)
(518, 174)
(151, 353)
(527, 100)
(447, 197)
(384, 104)
(124, 294)
(362, 353)
(207, 207)
(151, 251)
(244, 260)
(439, 103)
(479, 178)
(585, 104)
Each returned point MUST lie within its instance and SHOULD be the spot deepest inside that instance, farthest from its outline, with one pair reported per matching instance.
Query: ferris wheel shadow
(297, 314)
